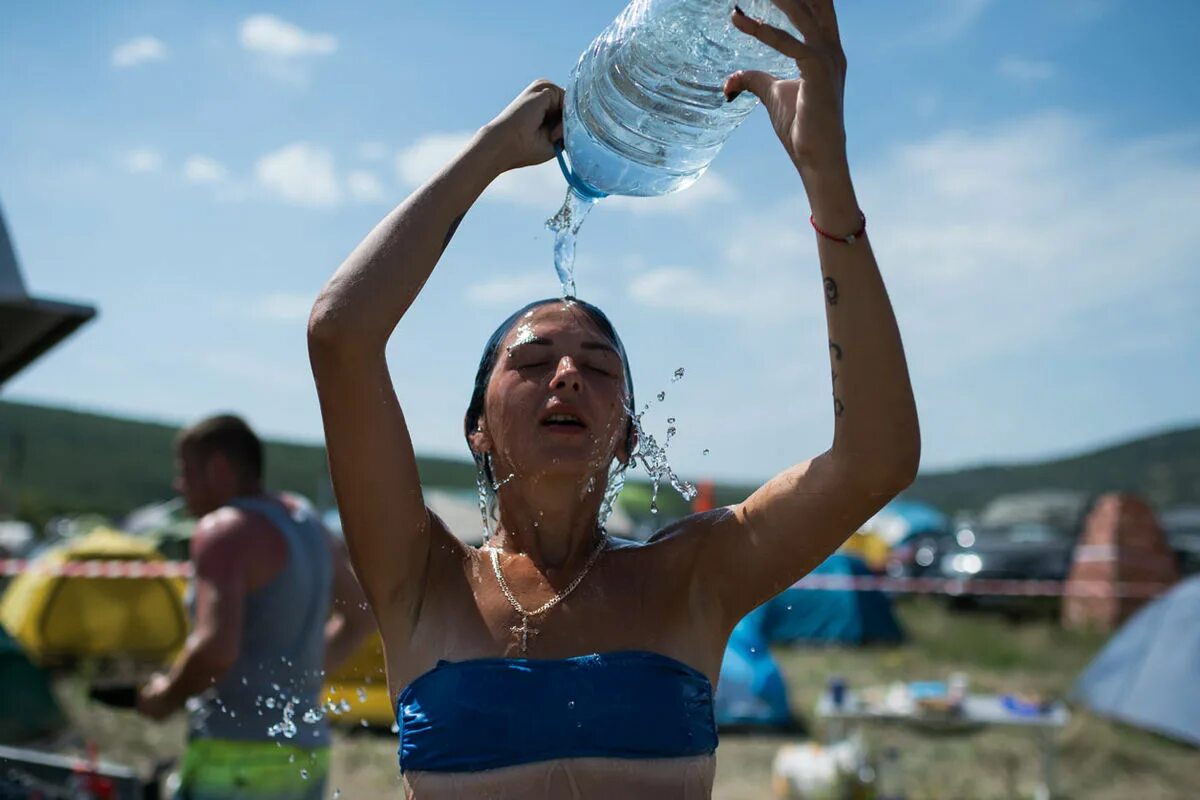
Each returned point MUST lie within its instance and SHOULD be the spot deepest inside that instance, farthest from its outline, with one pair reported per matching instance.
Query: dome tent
(751, 691)
(844, 616)
(59, 617)
(1146, 675)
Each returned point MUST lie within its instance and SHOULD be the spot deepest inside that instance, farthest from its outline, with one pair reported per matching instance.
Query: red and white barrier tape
(980, 586)
(841, 583)
(98, 569)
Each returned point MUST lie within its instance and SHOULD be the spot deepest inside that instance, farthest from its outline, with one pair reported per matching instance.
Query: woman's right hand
(524, 133)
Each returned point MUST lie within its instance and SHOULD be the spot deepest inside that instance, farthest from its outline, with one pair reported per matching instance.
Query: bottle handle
(581, 187)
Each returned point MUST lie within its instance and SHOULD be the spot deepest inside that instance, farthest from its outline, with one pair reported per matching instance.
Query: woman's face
(556, 399)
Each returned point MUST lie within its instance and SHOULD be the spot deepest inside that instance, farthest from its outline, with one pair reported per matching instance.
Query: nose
(566, 376)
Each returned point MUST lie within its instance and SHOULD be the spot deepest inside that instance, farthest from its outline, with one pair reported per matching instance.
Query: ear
(480, 440)
(627, 446)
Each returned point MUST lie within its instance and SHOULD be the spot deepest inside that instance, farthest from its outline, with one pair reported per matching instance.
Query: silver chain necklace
(524, 630)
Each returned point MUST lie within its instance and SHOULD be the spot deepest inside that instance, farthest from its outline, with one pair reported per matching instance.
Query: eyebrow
(588, 345)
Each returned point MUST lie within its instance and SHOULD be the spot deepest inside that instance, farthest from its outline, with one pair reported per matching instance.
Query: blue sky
(1030, 171)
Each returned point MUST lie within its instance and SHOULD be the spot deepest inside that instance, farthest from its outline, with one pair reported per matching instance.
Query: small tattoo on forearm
(836, 349)
(831, 291)
(453, 227)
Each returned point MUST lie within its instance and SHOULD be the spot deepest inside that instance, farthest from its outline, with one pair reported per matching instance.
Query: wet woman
(550, 663)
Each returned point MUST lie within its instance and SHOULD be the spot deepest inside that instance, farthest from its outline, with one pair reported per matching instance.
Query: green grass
(1098, 760)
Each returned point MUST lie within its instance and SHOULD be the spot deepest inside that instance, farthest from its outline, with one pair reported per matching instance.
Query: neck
(552, 520)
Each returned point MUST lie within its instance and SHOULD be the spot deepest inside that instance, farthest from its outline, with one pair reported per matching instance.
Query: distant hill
(58, 461)
(1163, 468)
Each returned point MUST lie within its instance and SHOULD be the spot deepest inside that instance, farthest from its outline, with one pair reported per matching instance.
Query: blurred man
(267, 577)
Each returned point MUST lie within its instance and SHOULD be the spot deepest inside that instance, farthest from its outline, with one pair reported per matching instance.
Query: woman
(548, 663)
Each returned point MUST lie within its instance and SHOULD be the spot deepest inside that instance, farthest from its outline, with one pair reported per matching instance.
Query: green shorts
(220, 769)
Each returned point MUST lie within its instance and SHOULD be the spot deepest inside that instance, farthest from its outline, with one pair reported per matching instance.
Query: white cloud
(372, 151)
(1032, 237)
(142, 160)
(271, 36)
(1027, 236)
(204, 170)
(1023, 69)
(542, 186)
(365, 187)
(301, 174)
(416, 163)
(949, 20)
(141, 50)
(283, 307)
(511, 290)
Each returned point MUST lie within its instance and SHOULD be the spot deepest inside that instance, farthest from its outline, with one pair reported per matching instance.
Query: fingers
(801, 15)
(543, 84)
(771, 36)
(755, 82)
(826, 17)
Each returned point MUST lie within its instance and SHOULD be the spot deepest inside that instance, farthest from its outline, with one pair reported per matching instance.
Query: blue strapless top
(487, 713)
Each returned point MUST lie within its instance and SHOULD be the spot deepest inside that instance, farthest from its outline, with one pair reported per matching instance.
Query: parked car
(1029, 536)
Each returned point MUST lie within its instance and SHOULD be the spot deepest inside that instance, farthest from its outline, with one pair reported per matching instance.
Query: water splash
(566, 224)
(287, 726)
(652, 456)
(525, 335)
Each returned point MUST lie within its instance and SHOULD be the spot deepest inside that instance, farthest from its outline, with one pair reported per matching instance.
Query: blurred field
(1098, 760)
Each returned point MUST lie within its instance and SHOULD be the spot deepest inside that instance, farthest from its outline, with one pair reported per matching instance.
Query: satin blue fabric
(487, 713)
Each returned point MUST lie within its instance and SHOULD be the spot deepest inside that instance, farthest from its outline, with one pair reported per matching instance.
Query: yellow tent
(870, 547)
(56, 617)
(361, 686)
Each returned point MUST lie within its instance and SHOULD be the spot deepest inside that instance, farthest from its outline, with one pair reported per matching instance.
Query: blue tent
(1147, 674)
(751, 690)
(832, 615)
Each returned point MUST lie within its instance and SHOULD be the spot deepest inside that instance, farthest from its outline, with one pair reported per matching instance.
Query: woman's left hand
(806, 112)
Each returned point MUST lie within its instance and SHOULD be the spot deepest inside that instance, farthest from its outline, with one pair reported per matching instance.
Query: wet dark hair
(491, 353)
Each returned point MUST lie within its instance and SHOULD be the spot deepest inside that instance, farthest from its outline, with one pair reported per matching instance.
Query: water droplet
(662, 396)
(304, 774)
(364, 723)
(570, 704)
(362, 695)
(670, 420)
(678, 375)
(337, 793)
(244, 681)
(705, 452)
(270, 702)
(292, 758)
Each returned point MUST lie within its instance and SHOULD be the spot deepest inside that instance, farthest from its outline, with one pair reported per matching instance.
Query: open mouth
(563, 422)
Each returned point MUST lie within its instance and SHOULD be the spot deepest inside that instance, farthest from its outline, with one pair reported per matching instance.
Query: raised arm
(752, 551)
(371, 460)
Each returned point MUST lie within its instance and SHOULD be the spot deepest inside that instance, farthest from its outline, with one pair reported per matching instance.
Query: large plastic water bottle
(645, 113)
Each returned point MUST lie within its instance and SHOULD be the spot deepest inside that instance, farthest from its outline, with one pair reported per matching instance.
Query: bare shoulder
(230, 540)
(679, 539)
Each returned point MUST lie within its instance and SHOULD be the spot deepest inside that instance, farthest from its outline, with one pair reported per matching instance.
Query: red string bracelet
(851, 239)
